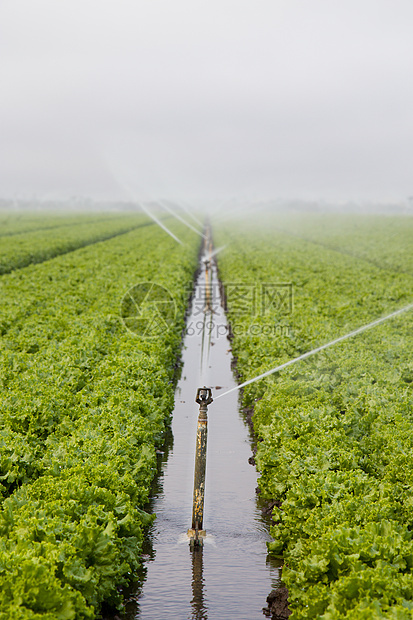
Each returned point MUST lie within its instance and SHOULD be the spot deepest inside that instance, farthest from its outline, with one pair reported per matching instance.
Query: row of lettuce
(17, 222)
(387, 243)
(36, 246)
(335, 431)
(84, 405)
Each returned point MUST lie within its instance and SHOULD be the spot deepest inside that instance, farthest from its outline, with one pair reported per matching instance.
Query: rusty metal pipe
(200, 467)
(203, 398)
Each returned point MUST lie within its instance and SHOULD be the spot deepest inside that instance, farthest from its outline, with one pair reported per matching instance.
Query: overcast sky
(206, 99)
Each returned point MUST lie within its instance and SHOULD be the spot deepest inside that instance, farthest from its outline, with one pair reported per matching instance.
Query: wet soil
(277, 604)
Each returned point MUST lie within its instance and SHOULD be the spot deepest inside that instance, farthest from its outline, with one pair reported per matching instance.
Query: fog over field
(195, 100)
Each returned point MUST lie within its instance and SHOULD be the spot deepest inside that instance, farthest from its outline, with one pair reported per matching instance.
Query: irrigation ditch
(230, 575)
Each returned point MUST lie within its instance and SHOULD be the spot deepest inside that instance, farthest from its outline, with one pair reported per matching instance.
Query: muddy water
(229, 577)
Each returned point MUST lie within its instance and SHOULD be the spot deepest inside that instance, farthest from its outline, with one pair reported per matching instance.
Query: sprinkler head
(204, 396)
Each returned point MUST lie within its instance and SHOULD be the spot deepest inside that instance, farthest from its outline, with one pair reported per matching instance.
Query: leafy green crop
(17, 222)
(335, 430)
(21, 250)
(84, 404)
(383, 241)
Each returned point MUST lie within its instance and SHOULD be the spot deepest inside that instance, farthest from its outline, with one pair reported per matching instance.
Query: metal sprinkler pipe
(196, 534)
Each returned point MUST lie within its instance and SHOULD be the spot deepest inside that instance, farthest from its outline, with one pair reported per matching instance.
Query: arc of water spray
(188, 212)
(155, 219)
(217, 251)
(318, 349)
(128, 190)
(181, 219)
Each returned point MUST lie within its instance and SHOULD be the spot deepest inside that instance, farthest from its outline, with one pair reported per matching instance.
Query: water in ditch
(230, 577)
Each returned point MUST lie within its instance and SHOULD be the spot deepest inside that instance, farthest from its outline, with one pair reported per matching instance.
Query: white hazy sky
(194, 98)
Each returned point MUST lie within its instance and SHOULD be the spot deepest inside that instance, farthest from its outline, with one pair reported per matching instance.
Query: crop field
(84, 404)
(35, 246)
(335, 431)
(92, 315)
(17, 222)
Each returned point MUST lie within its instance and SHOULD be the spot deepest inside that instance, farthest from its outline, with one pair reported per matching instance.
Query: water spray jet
(181, 219)
(318, 349)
